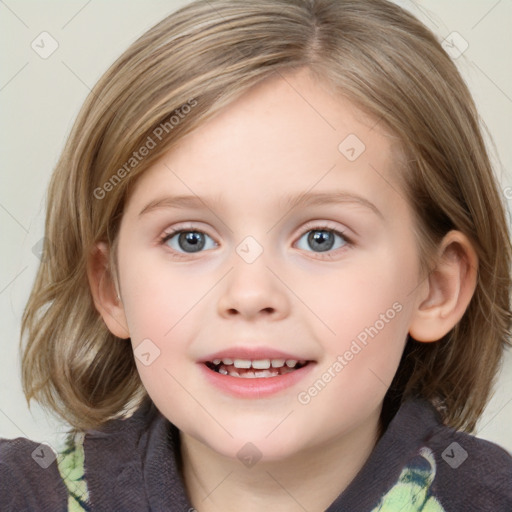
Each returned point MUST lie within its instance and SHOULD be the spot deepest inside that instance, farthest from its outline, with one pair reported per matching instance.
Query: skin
(280, 137)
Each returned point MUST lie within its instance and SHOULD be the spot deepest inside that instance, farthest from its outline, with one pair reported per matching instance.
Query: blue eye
(320, 239)
(323, 239)
(193, 240)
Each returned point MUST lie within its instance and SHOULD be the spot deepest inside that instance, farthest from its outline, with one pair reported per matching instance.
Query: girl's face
(294, 242)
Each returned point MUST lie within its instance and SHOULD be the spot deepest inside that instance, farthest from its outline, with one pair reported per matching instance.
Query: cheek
(368, 324)
(157, 295)
(359, 362)
(369, 294)
(164, 312)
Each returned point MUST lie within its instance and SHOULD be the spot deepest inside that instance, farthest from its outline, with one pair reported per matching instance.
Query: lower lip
(255, 387)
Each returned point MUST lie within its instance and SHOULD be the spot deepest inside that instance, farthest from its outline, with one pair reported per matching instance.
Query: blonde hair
(184, 70)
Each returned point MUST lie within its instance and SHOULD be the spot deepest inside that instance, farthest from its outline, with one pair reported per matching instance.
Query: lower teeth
(250, 375)
(259, 374)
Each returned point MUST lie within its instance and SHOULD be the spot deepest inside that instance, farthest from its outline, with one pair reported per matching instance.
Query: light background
(40, 98)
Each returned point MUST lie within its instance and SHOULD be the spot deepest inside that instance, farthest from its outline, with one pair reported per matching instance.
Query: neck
(308, 480)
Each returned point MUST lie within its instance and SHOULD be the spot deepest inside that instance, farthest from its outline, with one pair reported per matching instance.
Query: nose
(253, 290)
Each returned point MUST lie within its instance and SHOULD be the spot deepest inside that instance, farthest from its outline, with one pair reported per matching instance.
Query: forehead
(287, 133)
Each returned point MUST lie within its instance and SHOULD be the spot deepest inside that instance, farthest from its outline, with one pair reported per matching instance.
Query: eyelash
(309, 227)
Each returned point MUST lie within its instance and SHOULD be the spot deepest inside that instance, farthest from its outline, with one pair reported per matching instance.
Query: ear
(104, 291)
(449, 288)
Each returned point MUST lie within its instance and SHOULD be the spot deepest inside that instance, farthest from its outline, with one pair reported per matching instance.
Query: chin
(250, 449)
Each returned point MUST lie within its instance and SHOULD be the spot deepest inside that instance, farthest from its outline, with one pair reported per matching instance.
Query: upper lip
(253, 354)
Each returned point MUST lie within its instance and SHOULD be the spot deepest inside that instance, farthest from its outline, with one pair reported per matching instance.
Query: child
(254, 369)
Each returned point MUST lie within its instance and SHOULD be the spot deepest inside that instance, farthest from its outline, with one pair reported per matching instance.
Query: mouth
(255, 373)
(255, 368)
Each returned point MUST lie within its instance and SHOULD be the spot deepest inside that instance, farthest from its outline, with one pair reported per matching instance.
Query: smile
(255, 369)
(255, 378)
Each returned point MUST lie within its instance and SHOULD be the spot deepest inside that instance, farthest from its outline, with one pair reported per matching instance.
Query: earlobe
(451, 285)
(104, 291)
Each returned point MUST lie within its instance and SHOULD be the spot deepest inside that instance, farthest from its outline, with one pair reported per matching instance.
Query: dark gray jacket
(134, 465)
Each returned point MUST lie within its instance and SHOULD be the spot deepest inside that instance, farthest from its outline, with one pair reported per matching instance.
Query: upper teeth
(258, 364)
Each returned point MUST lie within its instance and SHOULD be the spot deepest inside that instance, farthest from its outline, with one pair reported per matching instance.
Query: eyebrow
(289, 201)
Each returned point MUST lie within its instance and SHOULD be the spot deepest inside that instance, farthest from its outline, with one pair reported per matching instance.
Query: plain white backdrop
(40, 98)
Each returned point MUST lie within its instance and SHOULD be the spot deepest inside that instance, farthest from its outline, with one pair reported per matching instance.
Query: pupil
(322, 239)
(193, 238)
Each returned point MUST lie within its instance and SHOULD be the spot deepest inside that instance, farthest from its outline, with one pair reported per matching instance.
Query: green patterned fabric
(412, 492)
(412, 469)
(71, 464)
